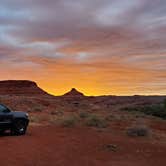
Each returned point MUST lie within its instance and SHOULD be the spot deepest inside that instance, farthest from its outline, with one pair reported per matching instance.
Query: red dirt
(57, 146)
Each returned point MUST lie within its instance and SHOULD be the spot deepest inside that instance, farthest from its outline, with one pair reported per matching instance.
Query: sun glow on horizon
(97, 92)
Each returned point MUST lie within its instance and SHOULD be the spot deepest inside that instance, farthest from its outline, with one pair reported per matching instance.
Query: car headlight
(27, 114)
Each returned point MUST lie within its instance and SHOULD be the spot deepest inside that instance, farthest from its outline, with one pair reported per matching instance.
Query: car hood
(20, 114)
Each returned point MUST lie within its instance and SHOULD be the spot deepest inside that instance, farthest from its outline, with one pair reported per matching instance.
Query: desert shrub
(116, 117)
(96, 121)
(69, 121)
(37, 108)
(83, 114)
(110, 117)
(165, 104)
(34, 119)
(137, 131)
(157, 110)
(57, 112)
(55, 120)
(110, 147)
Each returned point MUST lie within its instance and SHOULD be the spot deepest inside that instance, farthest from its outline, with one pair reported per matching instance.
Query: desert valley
(80, 130)
(82, 83)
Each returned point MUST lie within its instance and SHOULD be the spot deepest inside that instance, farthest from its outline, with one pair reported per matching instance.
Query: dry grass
(34, 119)
(38, 118)
(83, 114)
(96, 121)
(57, 113)
(69, 121)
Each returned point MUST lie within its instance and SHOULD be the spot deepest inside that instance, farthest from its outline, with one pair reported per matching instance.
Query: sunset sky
(97, 46)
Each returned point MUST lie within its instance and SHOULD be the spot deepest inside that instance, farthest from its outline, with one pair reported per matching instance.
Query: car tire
(2, 131)
(19, 127)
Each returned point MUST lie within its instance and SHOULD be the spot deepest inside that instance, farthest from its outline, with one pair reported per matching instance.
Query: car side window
(3, 109)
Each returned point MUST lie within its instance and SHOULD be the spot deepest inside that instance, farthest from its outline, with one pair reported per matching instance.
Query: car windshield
(3, 109)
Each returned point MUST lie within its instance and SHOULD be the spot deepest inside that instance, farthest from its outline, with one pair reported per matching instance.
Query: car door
(5, 116)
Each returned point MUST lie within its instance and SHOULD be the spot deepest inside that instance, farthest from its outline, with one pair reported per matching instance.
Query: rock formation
(73, 93)
(20, 87)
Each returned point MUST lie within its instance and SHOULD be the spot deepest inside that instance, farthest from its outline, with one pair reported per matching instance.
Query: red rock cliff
(20, 87)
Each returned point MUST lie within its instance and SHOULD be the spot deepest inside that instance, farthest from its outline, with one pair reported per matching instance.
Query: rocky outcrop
(73, 93)
(20, 87)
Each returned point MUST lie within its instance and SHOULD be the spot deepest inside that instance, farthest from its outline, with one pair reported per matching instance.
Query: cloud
(120, 43)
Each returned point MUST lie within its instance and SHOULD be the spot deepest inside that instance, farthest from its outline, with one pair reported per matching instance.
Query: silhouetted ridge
(73, 93)
(20, 87)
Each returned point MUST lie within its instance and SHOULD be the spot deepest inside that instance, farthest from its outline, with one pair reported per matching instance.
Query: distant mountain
(73, 93)
(20, 87)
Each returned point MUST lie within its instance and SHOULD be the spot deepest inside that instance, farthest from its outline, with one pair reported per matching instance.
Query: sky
(100, 47)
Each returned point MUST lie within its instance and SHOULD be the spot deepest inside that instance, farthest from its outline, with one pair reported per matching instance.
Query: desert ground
(51, 145)
(76, 130)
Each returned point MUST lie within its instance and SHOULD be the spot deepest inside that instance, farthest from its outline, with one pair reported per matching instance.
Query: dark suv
(16, 122)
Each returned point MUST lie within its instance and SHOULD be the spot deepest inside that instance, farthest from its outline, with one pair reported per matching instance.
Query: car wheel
(2, 131)
(19, 127)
